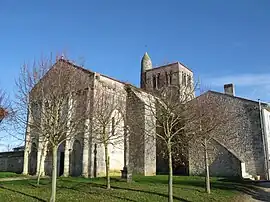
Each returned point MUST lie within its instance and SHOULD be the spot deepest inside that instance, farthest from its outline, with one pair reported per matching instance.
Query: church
(80, 156)
(243, 152)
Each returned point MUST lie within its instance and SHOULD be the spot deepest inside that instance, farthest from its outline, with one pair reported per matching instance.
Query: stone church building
(81, 156)
(243, 152)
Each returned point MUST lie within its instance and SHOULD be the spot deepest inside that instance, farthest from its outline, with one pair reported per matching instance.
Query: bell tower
(146, 64)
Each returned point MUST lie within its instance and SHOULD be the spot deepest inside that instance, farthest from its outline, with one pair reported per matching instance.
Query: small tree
(55, 112)
(108, 120)
(167, 116)
(209, 114)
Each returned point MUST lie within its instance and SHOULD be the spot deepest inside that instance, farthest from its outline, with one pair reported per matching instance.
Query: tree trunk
(207, 175)
(54, 173)
(39, 174)
(107, 162)
(26, 160)
(39, 167)
(170, 183)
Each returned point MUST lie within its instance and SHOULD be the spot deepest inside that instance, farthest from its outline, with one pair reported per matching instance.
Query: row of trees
(54, 103)
(60, 108)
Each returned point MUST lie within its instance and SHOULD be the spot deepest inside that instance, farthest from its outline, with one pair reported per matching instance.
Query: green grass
(8, 174)
(142, 189)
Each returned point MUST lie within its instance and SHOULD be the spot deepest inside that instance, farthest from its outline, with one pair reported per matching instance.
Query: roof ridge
(89, 71)
(236, 97)
(169, 64)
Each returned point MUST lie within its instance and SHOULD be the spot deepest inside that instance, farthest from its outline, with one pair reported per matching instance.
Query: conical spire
(146, 63)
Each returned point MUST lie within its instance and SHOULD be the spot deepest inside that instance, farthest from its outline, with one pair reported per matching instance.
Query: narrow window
(158, 80)
(170, 77)
(189, 80)
(113, 126)
(154, 82)
(166, 79)
(184, 78)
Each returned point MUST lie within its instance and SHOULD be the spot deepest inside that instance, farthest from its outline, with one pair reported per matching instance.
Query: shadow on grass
(256, 190)
(250, 188)
(76, 187)
(41, 183)
(93, 184)
(19, 192)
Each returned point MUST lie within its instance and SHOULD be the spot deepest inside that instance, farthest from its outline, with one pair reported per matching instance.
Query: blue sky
(220, 40)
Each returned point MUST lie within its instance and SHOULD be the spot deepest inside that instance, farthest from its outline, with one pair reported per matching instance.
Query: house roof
(234, 97)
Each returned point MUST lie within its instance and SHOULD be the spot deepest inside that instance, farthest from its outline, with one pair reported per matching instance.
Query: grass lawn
(9, 174)
(142, 189)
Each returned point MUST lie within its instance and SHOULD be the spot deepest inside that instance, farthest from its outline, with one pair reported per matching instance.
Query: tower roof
(146, 63)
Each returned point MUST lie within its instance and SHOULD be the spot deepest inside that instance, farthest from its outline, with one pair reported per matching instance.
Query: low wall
(11, 161)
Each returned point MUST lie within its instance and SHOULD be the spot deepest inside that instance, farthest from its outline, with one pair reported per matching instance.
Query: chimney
(229, 89)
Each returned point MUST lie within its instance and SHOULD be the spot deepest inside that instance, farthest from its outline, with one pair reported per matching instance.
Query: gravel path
(20, 178)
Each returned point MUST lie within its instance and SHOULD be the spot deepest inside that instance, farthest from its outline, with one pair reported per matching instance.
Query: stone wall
(11, 161)
(141, 123)
(135, 121)
(239, 140)
(222, 163)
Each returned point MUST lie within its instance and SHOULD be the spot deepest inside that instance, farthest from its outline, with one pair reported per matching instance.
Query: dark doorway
(62, 161)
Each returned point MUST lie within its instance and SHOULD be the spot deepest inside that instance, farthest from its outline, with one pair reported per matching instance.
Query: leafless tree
(28, 77)
(208, 116)
(52, 95)
(167, 115)
(108, 119)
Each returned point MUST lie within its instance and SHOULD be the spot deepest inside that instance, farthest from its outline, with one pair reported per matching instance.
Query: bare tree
(7, 114)
(28, 77)
(166, 116)
(108, 119)
(208, 116)
(55, 112)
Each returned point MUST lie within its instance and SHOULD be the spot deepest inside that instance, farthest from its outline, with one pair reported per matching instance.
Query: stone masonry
(237, 148)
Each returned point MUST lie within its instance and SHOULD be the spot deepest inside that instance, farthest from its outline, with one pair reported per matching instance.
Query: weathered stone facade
(237, 147)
